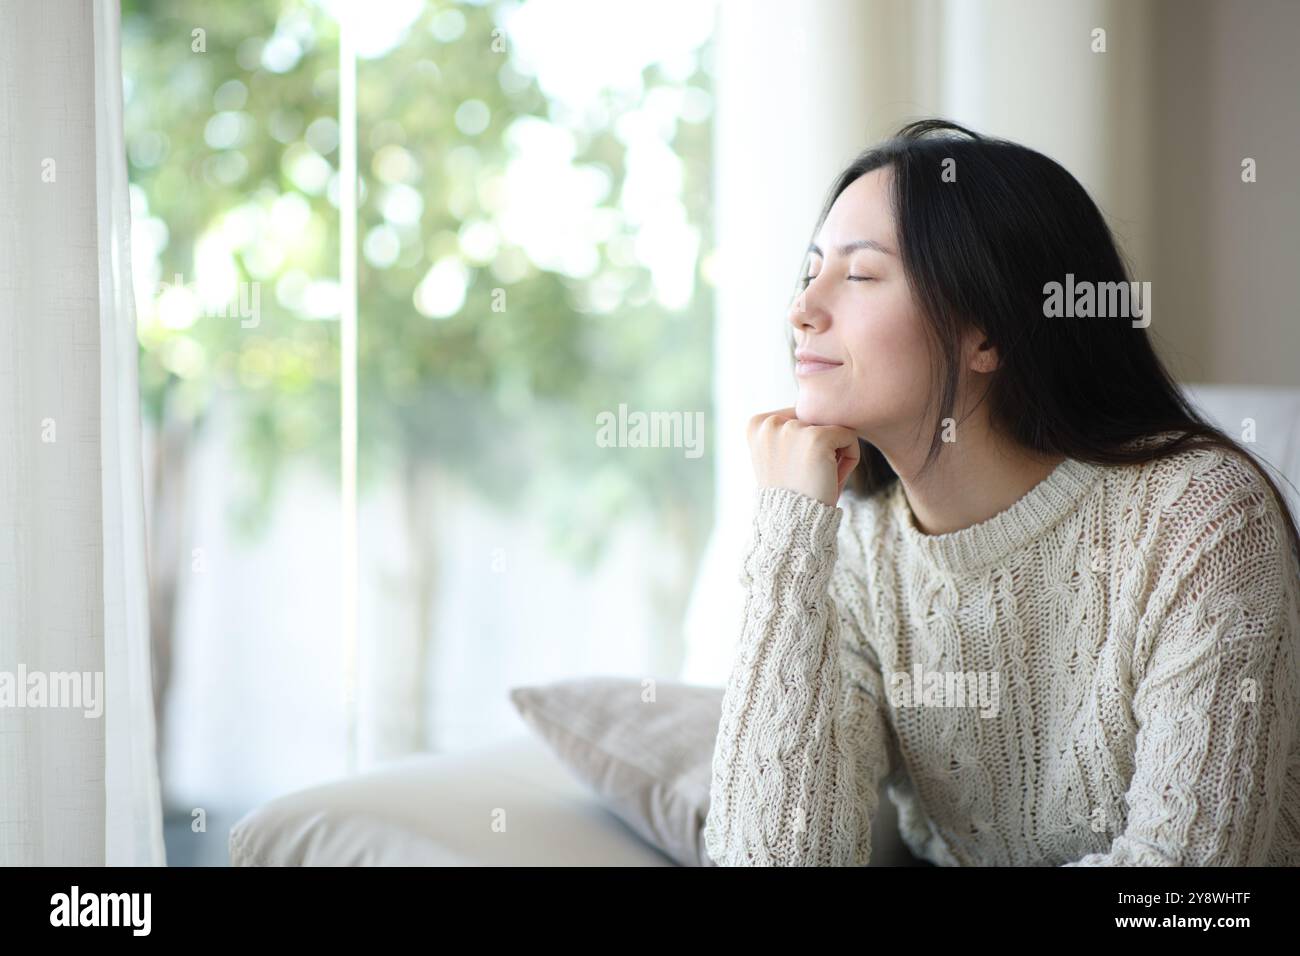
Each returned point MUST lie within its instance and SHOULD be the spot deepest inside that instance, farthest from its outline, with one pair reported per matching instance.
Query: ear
(981, 356)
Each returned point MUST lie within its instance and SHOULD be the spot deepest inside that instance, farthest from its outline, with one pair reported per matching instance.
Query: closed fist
(814, 460)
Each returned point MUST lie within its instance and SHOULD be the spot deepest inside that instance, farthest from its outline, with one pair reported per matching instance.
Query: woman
(1056, 613)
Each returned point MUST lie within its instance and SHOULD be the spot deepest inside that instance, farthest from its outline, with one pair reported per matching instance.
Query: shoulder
(1217, 534)
(1201, 496)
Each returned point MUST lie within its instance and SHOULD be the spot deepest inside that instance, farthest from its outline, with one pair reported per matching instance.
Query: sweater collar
(989, 541)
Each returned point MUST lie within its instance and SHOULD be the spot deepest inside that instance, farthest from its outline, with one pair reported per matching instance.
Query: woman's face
(857, 310)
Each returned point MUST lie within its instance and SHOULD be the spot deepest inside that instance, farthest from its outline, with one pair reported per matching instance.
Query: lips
(809, 363)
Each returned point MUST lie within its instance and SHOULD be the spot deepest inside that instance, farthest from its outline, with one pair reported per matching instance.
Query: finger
(835, 436)
(847, 451)
(853, 450)
(780, 415)
(848, 460)
(783, 414)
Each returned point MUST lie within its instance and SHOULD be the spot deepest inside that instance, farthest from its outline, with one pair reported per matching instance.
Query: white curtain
(78, 777)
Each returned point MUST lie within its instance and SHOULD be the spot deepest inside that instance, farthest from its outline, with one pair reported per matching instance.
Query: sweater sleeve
(1217, 704)
(802, 744)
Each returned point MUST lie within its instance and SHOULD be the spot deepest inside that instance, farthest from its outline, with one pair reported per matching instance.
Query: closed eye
(806, 279)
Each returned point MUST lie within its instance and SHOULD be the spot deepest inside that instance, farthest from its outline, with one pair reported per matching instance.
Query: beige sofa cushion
(644, 748)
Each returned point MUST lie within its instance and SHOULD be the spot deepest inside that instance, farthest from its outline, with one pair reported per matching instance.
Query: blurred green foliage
(233, 149)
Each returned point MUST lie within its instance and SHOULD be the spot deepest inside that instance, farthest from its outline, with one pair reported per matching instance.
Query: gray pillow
(644, 747)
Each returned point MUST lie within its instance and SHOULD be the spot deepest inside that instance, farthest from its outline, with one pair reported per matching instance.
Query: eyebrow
(848, 247)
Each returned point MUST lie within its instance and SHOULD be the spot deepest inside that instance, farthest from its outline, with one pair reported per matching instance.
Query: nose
(806, 310)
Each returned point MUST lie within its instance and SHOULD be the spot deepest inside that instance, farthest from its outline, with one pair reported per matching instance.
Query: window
(533, 371)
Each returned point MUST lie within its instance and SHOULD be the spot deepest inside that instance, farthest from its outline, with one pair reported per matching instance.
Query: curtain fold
(134, 811)
(78, 776)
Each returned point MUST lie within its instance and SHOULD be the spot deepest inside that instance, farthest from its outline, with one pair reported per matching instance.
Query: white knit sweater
(1134, 633)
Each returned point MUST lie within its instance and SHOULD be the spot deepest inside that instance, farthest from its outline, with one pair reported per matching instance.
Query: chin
(810, 410)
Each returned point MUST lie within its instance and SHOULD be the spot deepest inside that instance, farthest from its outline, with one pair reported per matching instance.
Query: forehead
(862, 211)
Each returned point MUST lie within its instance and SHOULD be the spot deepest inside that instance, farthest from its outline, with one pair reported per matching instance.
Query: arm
(801, 746)
(1218, 704)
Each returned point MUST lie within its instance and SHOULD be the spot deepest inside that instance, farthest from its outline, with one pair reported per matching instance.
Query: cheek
(891, 358)
(889, 370)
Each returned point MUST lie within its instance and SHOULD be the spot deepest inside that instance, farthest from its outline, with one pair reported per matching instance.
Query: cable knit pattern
(1141, 626)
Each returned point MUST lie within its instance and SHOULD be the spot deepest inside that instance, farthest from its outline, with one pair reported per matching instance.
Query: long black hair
(978, 247)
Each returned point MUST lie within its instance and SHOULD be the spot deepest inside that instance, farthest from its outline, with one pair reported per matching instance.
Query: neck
(974, 478)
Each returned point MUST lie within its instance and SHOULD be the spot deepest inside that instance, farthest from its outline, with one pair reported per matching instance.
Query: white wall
(1228, 253)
